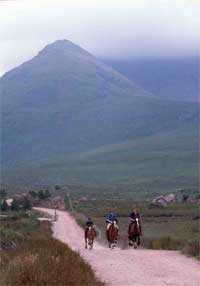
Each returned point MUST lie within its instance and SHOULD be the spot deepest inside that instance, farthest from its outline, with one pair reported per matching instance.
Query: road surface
(141, 267)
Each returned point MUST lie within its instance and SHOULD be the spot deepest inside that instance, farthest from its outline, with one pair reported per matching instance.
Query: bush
(10, 238)
(26, 203)
(166, 243)
(15, 205)
(4, 206)
(41, 195)
(57, 187)
(192, 249)
(33, 194)
(47, 194)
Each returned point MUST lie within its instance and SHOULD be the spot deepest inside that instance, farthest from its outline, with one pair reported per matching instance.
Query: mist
(109, 29)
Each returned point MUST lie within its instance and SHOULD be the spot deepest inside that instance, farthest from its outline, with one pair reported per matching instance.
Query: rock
(9, 202)
(163, 200)
(159, 202)
(170, 198)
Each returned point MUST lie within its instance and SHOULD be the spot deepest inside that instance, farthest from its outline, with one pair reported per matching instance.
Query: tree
(4, 206)
(57, 187)
(41, 195)
(15, 205)
(33, 194)
(26, 203)
(47, 194)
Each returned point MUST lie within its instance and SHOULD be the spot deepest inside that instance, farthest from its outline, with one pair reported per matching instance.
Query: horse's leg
(138, 243)
(130, 242)
(91, 243)
(112, 243)
(91, 246)
(135, 241)
(86, 243)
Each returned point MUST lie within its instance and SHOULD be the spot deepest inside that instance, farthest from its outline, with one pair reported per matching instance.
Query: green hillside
(67, 118)
(141, 168)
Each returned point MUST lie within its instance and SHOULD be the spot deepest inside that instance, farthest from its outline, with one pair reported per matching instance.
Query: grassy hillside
(138, 168)
(63, 107)
(175, 79)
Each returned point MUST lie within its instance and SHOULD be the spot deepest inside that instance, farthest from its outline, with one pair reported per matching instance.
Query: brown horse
(134, 233)
(90, 234)
(112, 234)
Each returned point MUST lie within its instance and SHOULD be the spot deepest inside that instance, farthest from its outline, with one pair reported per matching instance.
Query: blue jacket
(111, 218)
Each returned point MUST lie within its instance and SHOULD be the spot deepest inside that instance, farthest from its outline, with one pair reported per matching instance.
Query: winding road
(141, 267)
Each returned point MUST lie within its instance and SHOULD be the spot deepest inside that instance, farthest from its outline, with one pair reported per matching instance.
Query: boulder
(159, 202)
(170, 198)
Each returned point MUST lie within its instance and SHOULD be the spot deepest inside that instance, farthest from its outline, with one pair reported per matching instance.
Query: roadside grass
(42, 260)
(16, 228)
(171, 228)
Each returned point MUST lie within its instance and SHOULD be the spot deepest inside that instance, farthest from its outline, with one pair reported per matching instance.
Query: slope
(65, 102)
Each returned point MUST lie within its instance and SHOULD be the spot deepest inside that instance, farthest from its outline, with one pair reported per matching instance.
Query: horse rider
(89, 223)
(134, 218)
(110, 219)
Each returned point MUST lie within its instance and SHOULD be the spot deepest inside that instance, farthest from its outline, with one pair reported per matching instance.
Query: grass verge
(43, 260)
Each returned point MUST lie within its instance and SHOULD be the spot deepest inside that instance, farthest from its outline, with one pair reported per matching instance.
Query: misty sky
(106, 28)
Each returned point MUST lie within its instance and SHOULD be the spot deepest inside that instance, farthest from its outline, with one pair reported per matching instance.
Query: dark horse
(112, 234)
(134, 232)
(90, 234)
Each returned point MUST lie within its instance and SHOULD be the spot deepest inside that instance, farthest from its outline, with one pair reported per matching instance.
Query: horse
(112, 234)
(134, 232)
(90, 234)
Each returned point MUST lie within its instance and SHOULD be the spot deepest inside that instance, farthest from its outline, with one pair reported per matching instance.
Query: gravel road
(130, 267)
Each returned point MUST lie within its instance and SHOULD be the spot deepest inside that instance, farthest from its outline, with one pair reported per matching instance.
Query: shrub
(166, 243)
(26, 203)
(10, 238)
(57, 187)
(15, 205)
(4, 206)
(192, 249)
(33, 194)
(47, 194)
(41, 195)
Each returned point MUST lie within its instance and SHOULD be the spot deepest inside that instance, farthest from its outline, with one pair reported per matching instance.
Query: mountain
(174, 79)
(64, 105)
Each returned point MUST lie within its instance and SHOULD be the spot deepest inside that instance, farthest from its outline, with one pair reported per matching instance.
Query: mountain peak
(62, 46)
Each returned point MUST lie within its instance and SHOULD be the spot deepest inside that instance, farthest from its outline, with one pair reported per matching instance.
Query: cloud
(121, 29)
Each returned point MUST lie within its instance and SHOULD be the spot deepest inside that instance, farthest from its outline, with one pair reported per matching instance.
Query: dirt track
(118, 267)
